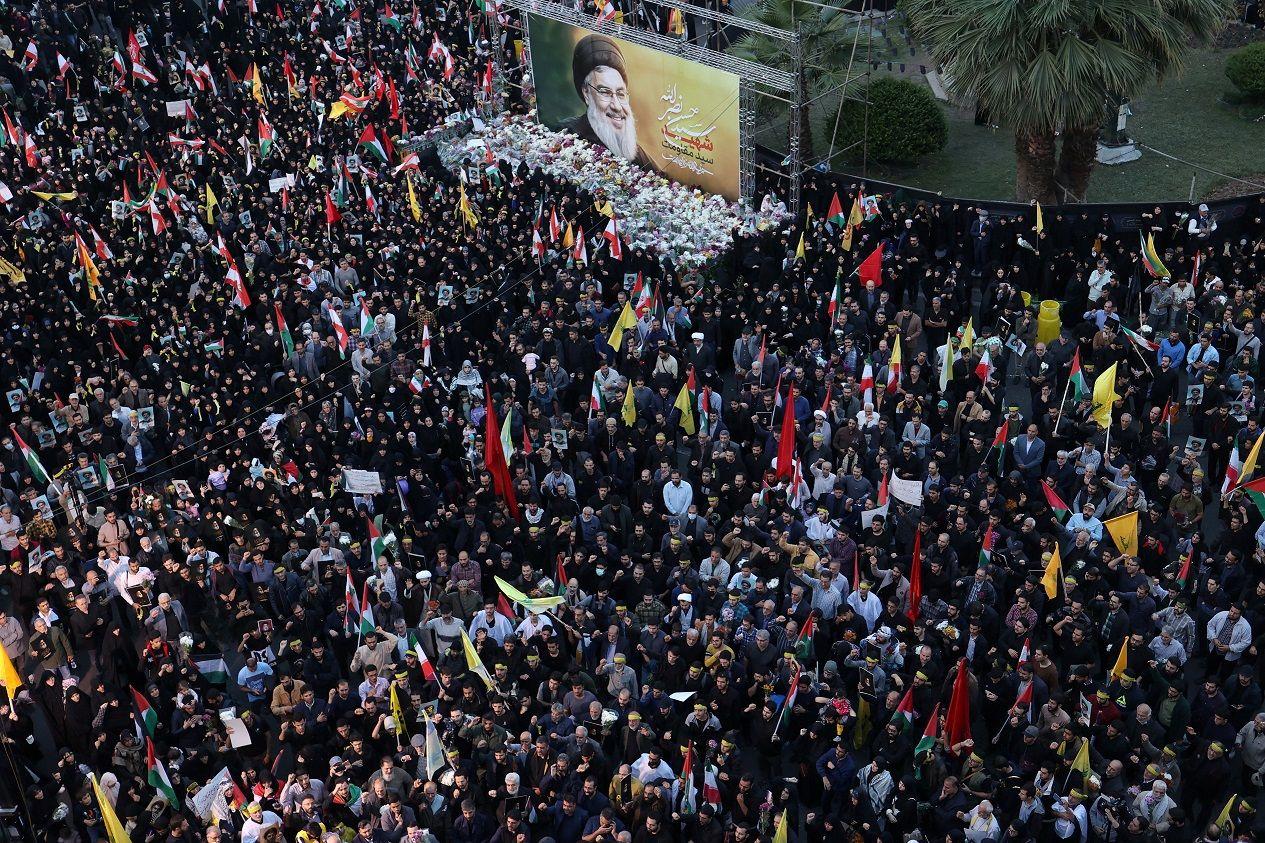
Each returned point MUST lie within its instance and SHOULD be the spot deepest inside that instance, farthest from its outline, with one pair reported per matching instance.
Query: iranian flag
(349, 597)
(369, 143)
(287, 341)
(904, 715)
(928, 740)
(1231, 471)
(836, 297)
(1139, 340)
(597, 401)
(1061, 509)
(428, 671)
(158, 776)
(146, 717)
(41, 476)
(213, 667)
(1076, 378)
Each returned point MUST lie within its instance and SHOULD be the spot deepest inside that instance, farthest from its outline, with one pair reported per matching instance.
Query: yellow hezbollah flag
(463, 205)
(686, 406)
(9, 676)
(397, 711)
(1249, 465)
(1105, 396)
(629, 411)
(782, 835)
(847, 238)
(1124, 532)
(1053, 571)
(799, 250)
(625, 322)
(568, 239)
(64, 196)
(211, 202)
(1080, 764)
(1122, 660)
(256, 83)
(15, 274)
(1224, 816)
(968, 337)
(855, 217)
(473, 662)
(533, 603)
(605, 210)
(113, 828)
(412, 200)
(1040, 219)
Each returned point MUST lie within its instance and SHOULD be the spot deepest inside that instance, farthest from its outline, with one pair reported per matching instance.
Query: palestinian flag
(42, 477)
(904, 714)
(146, 717)
(1255, 492)
(560, 578)
(1077, 378)
(104, 470)
(377, 543)
(287, 341)
(369, 143)
(266, 137)
(1183, 576)
(1061, 509)
(366, 319)
(928, 740)
(986, 549)
(158, 776)
(388, 17)
(343, 338)
(366, 608)
(213, 667)
(835, 213)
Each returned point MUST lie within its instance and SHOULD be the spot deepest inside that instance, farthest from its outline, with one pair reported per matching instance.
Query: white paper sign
(238, 734)
(176, 108)
(867, 516)
(909, 491)
(362, 482)
(278, 184)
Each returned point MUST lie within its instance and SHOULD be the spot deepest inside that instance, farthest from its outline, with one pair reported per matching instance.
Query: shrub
(905, 122)
(1246, 69)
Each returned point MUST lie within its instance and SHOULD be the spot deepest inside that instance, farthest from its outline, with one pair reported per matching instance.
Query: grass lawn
(1185, 117)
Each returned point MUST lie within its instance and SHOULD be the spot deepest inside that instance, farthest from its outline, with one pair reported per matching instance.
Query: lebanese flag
(871, 269)
(1024, 701)
(867, 382)
(63, 66)
(100, 246)
(6, 195)
(786, 442)
(143, 73)
(32, 154)
(426, 346)
(156, 217)
(32, 56)
(494, 457)
(343, 337)
(1025, 653)
(612, 237)
(984, 368)
(14, 131)
(350, 625)
(580, 254)
(537, 245)
(555, 229)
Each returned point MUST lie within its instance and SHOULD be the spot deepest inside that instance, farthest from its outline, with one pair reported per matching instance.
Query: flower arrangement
(676, 222)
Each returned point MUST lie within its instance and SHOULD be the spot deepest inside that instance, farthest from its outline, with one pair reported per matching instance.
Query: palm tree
(1048, 67)
(828, 36)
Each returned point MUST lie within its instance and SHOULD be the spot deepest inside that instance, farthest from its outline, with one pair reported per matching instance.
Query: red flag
(503, 606)
(332, 214)
(915, 577)
(957, 725)
(786, 444)
(114, 342)
(871, 269)
(494, 456)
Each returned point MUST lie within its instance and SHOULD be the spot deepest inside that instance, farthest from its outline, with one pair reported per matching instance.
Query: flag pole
(1067, 388)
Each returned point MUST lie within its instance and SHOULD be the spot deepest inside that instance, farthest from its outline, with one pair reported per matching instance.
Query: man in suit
(167, 618)
(1029, 453)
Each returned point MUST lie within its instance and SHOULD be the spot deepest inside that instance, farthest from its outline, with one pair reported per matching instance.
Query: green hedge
(1246, 69)
(905, 122)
